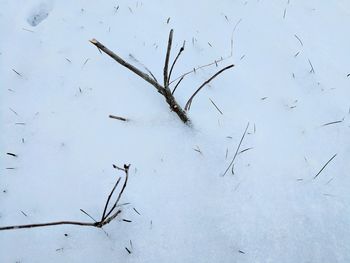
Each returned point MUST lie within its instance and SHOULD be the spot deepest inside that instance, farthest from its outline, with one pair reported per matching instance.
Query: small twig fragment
(301, 42)
(312, 70)
(216, 106)
(19, 74)
(333, 122)
(118, 118)
(137, 212)
(324, 166)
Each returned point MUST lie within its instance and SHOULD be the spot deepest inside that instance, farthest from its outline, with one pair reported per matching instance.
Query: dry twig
(106, 218)
(189, 102)
(324, 166)
(118, 118)
(216, 106)
(164, 89)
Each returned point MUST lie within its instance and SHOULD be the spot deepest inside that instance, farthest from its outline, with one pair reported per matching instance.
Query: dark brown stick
(126, 170)
(117, 118)
(109, 198)
(167, 57)
(177, 84)
(189, 102)
(109, 219)
(49, 224)
(178, 55)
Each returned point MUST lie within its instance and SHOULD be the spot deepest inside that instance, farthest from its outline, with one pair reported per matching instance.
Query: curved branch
(189, 102)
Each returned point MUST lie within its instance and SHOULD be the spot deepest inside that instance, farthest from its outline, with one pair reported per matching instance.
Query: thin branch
(178, 55)
(237, 150)
(108, 220)
(84, 212)
(324, 166)
(166, 65)
(109, 198)
(177, 84)
(122, 62)
(189, 102)
(126, 170)
(48, 224)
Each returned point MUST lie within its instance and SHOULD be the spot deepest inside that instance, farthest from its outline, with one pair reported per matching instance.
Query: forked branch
(105, 219)
(162, 89)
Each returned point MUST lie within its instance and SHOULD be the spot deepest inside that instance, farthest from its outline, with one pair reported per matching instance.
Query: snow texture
(290, 82)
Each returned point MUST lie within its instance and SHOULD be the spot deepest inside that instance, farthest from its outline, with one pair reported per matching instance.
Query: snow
(270, 210)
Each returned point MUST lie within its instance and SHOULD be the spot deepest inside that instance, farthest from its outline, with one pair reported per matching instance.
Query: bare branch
(109, 198)
(122, 62)
(178, 55)
(106, 219)
(177, 84)
(126, 170)
(48, 224)
(189, 102)
(165, 91)
(166, 65)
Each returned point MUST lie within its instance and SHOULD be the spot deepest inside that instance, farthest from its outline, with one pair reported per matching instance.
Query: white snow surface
(54, 117)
